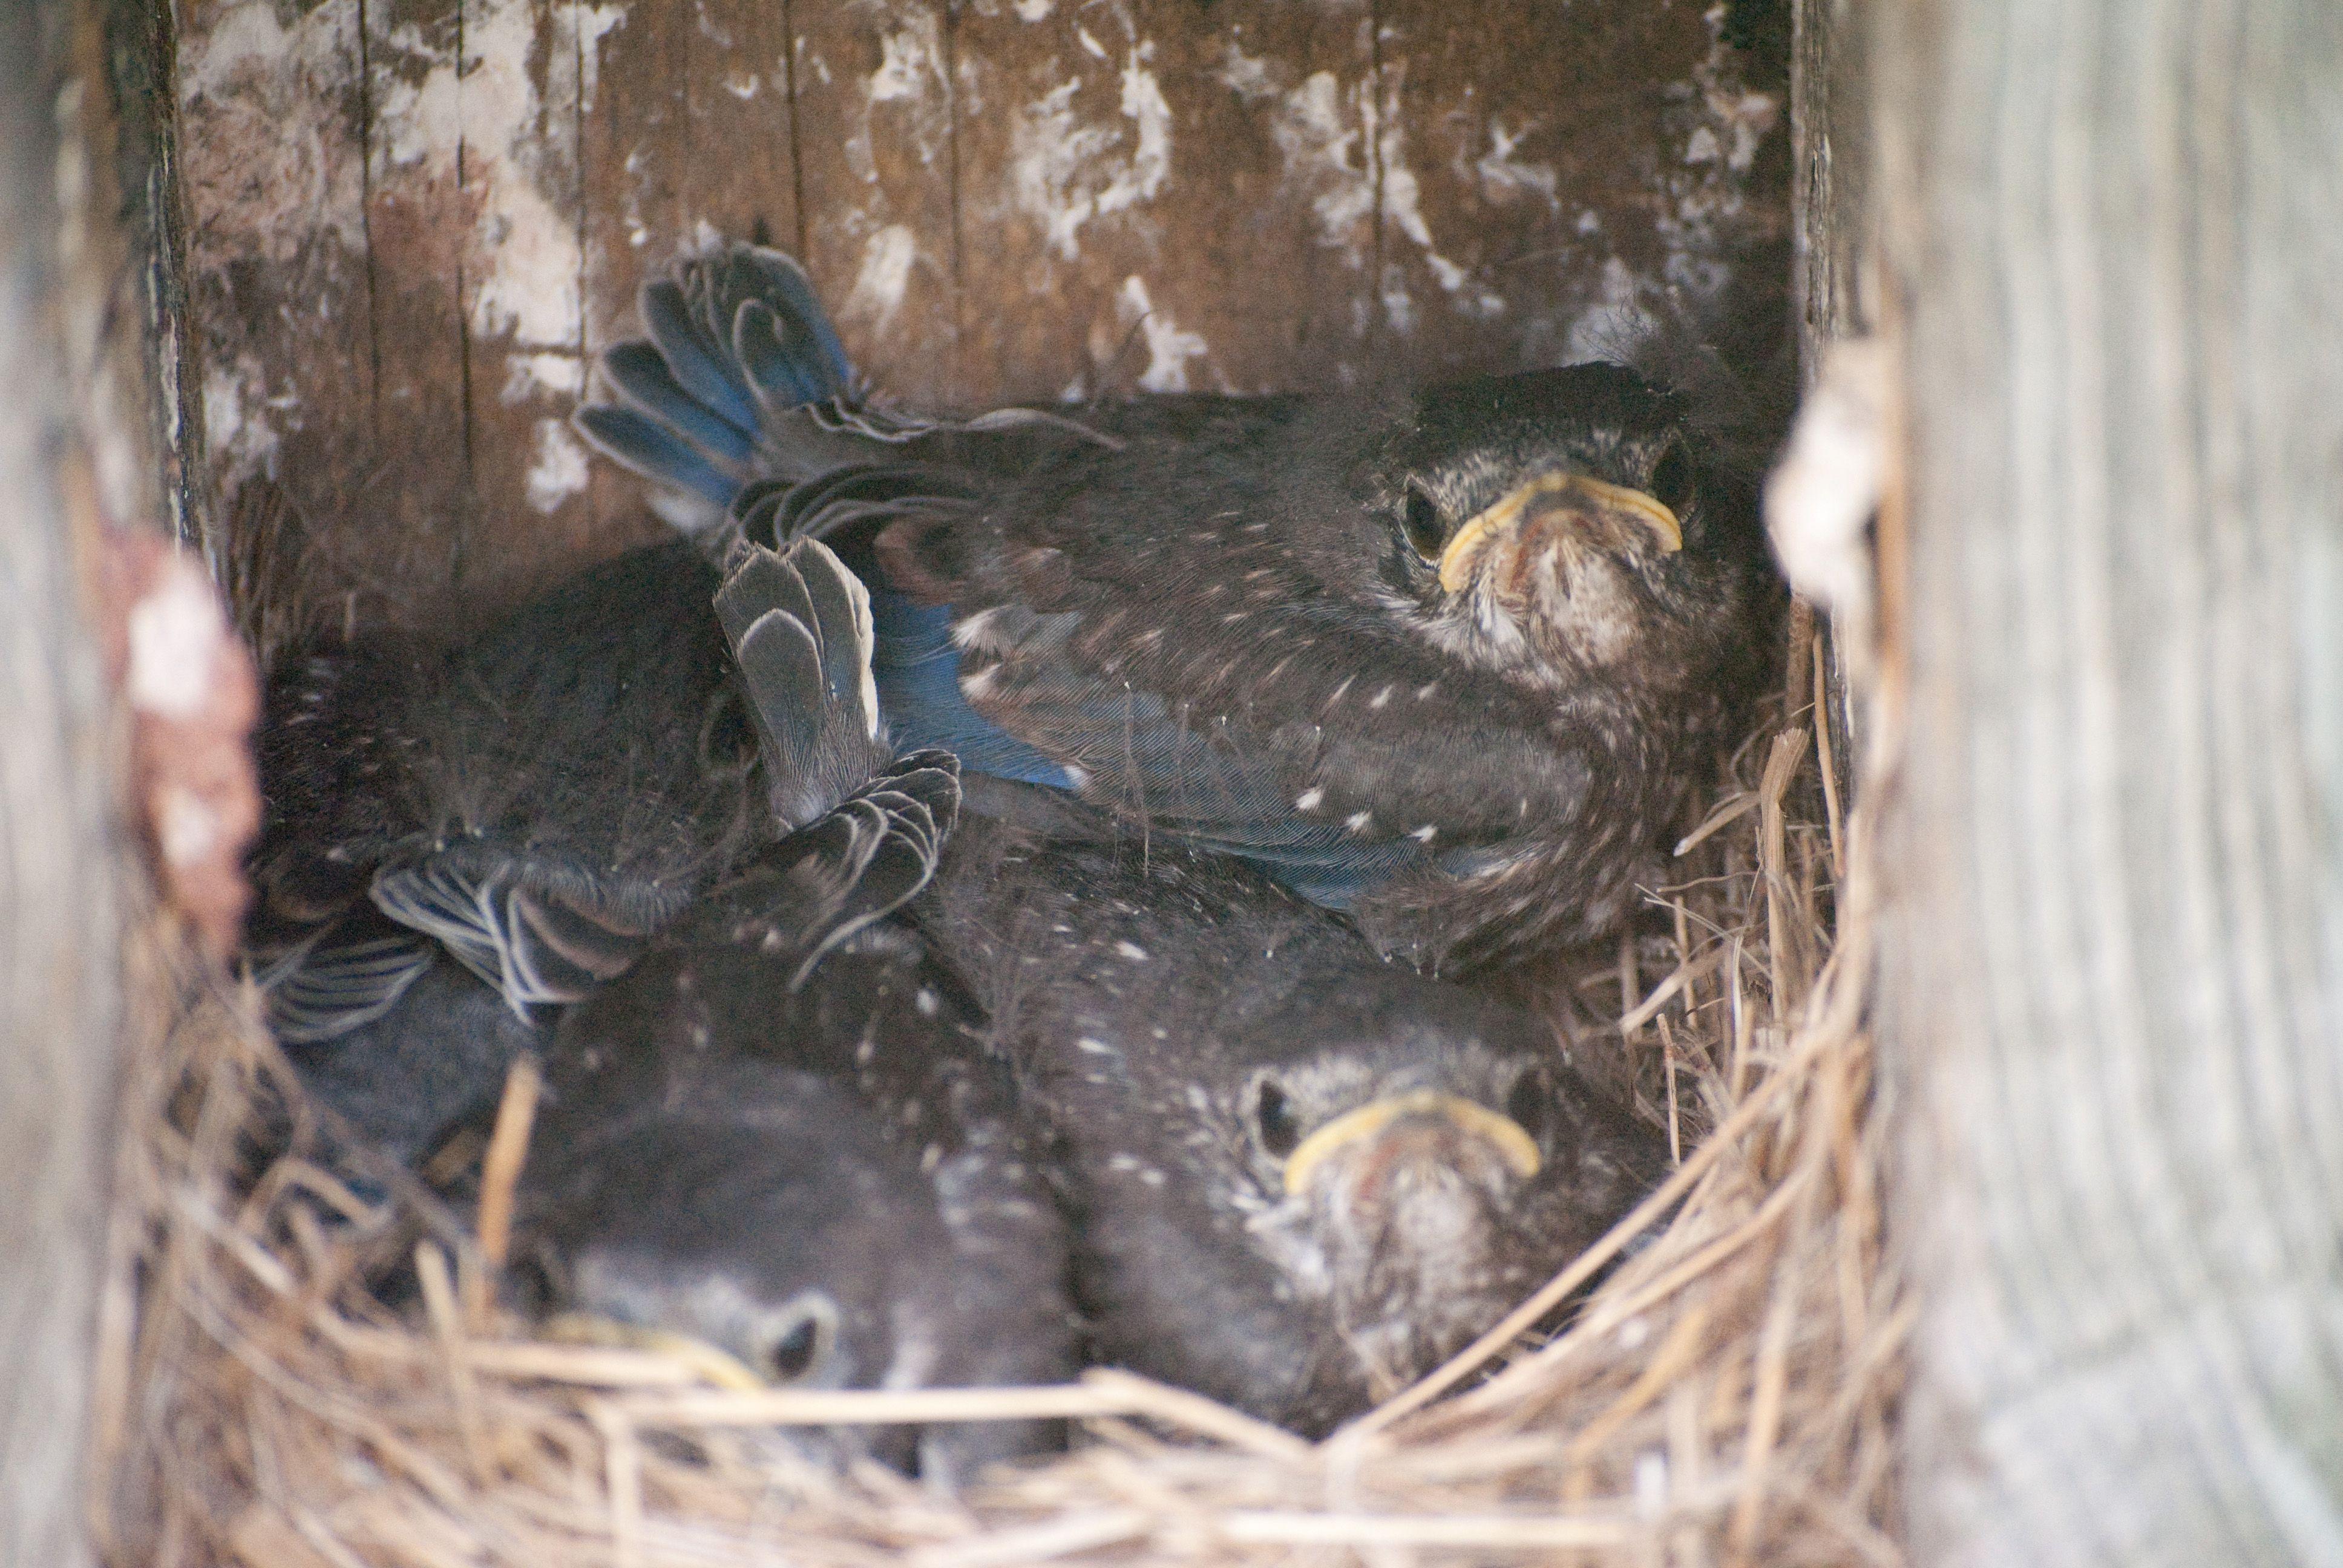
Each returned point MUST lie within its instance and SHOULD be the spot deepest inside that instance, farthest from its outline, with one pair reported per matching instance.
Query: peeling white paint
(235, 420)
(1169, 348)
(1338, 144)
(884, 276)
(1246, 76)
(1604, 329)
(1504, 177)
(1067, 171)
(558, 469)
(490, 111)
(909, 56)
(262, 112)
(528, 375)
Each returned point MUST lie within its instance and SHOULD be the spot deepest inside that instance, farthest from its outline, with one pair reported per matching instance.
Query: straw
(1721, 1388)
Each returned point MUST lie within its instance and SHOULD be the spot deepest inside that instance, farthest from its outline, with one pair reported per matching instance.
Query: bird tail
(863, 828)
(737, 339)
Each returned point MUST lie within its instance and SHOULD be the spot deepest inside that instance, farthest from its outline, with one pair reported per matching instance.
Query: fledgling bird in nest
(1449, 661)
(1300, 1176)
(776, 1146)
(457, 842)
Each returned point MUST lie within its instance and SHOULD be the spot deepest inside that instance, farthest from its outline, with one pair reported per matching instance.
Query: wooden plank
(1626, 165)
(1169, 198)
(60, 933)
(417, 220)
(684, 129)
(876, 109)
(2113, 987)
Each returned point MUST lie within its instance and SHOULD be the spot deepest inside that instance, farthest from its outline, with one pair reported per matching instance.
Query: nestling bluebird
(502, 826)
(1449, 661)
(776, 1143)
(1300, 1176)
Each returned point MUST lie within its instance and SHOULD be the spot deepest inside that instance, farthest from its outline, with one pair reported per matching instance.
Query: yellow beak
(1519, 1149)
(718, 1367)
(1464, 548)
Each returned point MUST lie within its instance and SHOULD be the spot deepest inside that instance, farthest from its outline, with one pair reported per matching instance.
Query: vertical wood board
(413, 222)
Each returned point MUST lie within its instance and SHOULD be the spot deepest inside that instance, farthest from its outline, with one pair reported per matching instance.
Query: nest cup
(1723, 1393)
(1714, 1382)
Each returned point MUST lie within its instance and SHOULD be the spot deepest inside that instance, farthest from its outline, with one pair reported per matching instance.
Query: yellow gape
(1519, 1149)
(1456, 560)
(718, 1367)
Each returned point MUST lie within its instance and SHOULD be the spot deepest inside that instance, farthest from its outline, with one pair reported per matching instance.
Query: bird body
(523, 811)
(776, 1142)
(1445, 660)
(1300, 1176)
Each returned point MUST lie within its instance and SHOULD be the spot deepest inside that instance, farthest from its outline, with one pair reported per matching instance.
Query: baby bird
(775, 1143)
(1449, 661)
(1300, 1176)
(455, 842)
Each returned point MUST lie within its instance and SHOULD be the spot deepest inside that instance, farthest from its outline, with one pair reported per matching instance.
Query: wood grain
(414, 221)
(59, 933)
(2116, 982)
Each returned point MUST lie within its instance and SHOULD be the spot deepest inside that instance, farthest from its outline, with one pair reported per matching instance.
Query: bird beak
(718, 1367)
(1579, 492)
(1515, 1146)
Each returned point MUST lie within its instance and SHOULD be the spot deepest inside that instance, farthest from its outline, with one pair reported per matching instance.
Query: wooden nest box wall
(411, 228)
(314, 285)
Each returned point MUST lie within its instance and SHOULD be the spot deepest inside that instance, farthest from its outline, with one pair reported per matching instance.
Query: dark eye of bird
(1280, 1132)
(1531, 1102)
(791, 1356)
(1427, 530)
(1671, 478)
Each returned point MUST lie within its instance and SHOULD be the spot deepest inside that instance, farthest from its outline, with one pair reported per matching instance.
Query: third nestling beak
(1572, 511)
(1413, 1199)
(1421, 1125)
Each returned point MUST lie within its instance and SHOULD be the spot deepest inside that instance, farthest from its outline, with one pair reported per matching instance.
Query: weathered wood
(1836, 224)
(413, 221)
(2114, 1024)
(59, 935)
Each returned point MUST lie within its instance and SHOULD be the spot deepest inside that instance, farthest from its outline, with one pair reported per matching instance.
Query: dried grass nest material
(1727, 1394)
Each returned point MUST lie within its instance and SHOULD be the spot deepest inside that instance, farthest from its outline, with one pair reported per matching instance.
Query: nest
(1724, 1393)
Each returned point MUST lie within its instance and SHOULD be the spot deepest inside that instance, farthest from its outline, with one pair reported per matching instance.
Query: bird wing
(866, 859)
(540, 928)
(337, 979)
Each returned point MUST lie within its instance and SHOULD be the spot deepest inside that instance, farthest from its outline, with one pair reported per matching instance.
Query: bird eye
(801, 1345)
(1280, 1132)
(1531, 1102)
(1427, 530)
(1671, 478)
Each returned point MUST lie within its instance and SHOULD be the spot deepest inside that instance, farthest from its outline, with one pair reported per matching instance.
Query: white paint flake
(1067, 170)
(883, 277)
(1504, 177)
(237, 418)
(556, 468)
(486, 109)
(262, 104)
(1169, 348)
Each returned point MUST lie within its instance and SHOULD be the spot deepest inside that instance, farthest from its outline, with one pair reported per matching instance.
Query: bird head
(1563, 523)
(802, 1251)
(1425, 1169)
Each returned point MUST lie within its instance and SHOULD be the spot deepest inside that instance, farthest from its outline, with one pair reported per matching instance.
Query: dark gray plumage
(778, 1134)
(530, 806)
(1450, 660)
(1197, 1038)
